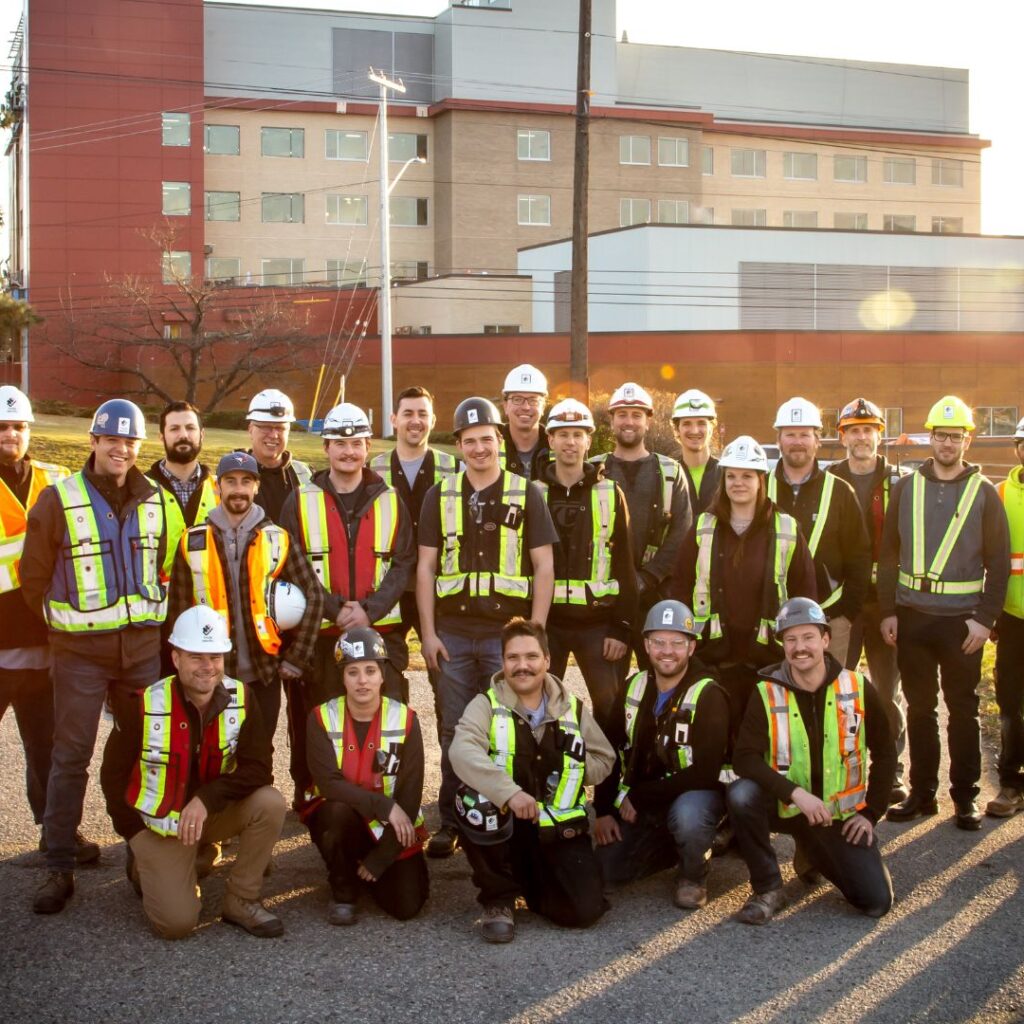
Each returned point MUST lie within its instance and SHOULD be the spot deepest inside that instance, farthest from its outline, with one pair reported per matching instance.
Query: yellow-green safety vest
(444, 465)
(208, 501)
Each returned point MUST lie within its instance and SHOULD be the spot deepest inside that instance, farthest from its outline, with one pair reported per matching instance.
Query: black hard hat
(360, 644)
(475, 412)
(481, 821)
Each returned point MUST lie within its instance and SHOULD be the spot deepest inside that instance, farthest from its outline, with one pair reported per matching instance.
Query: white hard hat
(526, 379)
(285, 603)
(631, 396)
(271, 406)
(798, 412)
(1019, 432)
(201, 630)
(570, 413)
(15, 406)
(744, 453)
(346, 420)
(694, 404)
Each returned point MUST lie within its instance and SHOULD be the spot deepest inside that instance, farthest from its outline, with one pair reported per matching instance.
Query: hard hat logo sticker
(472, 415)
(666, 617)
(947, 412)
(124, 425)
(11, 402)
(207, 631)
(101, 420)
(796, 415)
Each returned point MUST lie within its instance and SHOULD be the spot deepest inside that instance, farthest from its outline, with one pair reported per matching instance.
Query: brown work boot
(252, 916)
(53, 894)
(1006, 804)
(762, 907)
(690, 895)
(498, 924)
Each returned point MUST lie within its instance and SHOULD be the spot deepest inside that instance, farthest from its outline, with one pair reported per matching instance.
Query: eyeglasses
(526, 401)
(269, 428)
(663, 645)
(956, 436)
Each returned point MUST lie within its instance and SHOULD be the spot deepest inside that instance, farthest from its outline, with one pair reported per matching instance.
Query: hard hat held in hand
(15, 406)
(744, 453)
(693, 404)
(950, 413)
(271, 406)
(346, 420)
(798, 412)
(286, 604)
(630, 396)
(482, 822)
(118, 417)
(200, 630)
(526, 380)
(570, 412)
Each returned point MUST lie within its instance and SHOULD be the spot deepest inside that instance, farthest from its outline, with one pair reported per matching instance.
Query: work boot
(690, 895)
(53, 894)
(252, 916)
(762, 907)
(915, 806)
(1006, 804)
(86, 851)
(498, 924)
(898, 794)
(443, 843)
(968, 815)
(341, 913)
(804, 869)
(207, 858)
(725, 839)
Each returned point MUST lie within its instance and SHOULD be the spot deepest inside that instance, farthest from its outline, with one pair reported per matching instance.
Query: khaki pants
(839, 645)
(167, 868)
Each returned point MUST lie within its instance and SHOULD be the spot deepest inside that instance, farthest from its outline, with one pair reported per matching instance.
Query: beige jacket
(470, 749)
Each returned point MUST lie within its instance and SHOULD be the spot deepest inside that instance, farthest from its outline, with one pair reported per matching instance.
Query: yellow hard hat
(950, 411)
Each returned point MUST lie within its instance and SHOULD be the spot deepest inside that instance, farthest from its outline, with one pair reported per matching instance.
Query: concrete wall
(464, 304)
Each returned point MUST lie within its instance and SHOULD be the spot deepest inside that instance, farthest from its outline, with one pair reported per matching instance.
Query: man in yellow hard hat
(942, 577)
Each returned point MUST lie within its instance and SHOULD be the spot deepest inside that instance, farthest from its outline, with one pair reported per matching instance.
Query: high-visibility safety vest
(302, 472)
(506, 576)
(927, 578)
(776, 585)
(444, 465)
(159, 782)
(208, 501)
(669, 471)
(378, 759)
(596, 559)
(14, 519)
(820, 520)
(844, 754)
(357, 574)
(566, 800)
(265, 560)
(1011, 491)
(108, 574)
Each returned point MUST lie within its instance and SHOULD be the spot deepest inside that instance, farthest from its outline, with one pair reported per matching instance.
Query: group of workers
(187, 599)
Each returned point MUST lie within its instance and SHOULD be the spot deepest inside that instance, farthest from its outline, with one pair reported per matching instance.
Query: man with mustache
(189, 485)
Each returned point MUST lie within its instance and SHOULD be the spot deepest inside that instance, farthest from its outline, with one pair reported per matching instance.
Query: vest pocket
(146, 567)
(85, 573)
(159, 782)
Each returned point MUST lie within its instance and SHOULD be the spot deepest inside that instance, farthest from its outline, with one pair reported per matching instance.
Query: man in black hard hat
(802, 757)
(485, 555)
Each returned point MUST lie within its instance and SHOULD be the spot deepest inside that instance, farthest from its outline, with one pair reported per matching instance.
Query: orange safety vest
(14, 519)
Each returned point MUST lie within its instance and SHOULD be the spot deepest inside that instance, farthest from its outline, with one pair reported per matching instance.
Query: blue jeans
(79, 690)
(655, 842)
(471, 663)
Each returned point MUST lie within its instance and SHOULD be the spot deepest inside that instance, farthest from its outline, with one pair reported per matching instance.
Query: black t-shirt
(863, 484)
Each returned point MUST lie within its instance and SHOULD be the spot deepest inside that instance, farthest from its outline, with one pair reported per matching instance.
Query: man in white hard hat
(269, 421)
(25, 659)
(229, 563)
(694, 418)
(828, 513)
(522, 442)
(659, 505)
(188, 484)
(191, 765)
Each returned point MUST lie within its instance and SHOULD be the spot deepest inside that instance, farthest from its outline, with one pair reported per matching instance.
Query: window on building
(899, 170)
(947, 225)
(343, 145)
(283, 142)
(223, 206)
(800, 166)
(748, 163)
(532, 144)
(829, 422)
(221, 139)
(284, 208)
(634, 149)
(223, 268)
(282, 271)
(850, 168)
(177, 199)
(899, 222)
(534, 210)
(749, 218)
(704, 215)
(948, 173)
(177, 128)
(893, 421)
(634, 211)
(707, 160)
(404, 146)
(850, 221)
(346, 272)
(176, 266)
(501, 328)
(346, 210)
(799, 218)
(673, 152)
(409, 270)
(673, 211)
(996, 420)
(408, 211)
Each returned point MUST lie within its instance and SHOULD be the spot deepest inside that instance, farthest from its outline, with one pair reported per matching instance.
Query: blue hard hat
(118, 417)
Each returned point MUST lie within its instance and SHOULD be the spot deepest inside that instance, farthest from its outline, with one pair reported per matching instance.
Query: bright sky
(983, 36)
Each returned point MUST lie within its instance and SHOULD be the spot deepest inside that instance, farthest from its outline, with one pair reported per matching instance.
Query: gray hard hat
(801, 611)
(672, 616)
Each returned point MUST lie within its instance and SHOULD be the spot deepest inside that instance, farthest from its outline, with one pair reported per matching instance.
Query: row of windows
(287, 270)
(991, 420)
(896, 170)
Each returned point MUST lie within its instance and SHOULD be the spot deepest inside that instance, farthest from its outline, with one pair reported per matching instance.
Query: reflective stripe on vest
(114, 579)
(506, 578)
(265, 560)
(1011, 493)
(668, 470)
(14, 519)
(930, 581)
(568, 799)
(844, 753)
(302, 472)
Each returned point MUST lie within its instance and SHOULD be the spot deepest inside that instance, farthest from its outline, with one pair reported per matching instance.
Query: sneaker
(443, 843)
(498, 924)
(54, 893)
(762, 907)
(252, 916)
(341, 913)
(690, 895)
(1006, 804)
(86, 851)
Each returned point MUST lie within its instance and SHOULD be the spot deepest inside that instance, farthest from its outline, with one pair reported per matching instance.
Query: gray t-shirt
(411, 469)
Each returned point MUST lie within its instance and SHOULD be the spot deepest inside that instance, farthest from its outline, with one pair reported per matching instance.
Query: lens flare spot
(668, 372)
(887, 310)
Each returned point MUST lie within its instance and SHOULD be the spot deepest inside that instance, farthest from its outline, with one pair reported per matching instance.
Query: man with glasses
(942, 578)
(269, 421)
(522, 443)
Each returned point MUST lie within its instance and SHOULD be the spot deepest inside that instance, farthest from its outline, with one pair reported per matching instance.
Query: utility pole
(579, 369)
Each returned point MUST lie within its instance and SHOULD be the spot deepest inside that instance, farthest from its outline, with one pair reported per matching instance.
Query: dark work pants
(561, 880)
(856, 871)
(268, 697)
(738, 680)
(929, 656)
(1010, 697)
(343, 839)
(30, 692)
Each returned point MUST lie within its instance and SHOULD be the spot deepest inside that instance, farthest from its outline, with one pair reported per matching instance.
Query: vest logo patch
(197, 541)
